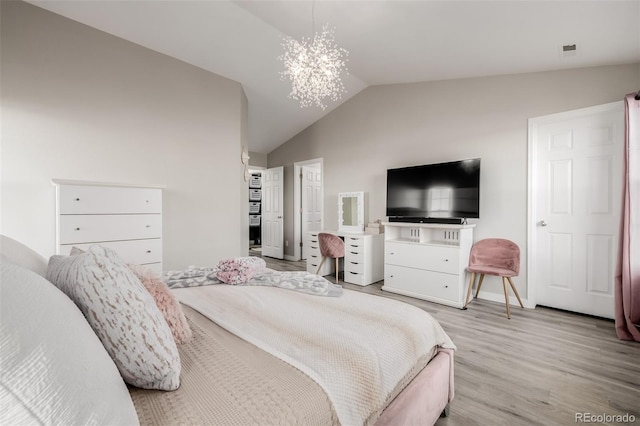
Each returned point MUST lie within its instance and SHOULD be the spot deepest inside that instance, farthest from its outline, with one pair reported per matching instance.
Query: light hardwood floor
(541, 367)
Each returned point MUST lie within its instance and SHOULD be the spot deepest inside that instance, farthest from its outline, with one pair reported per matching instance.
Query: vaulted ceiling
(389, 41)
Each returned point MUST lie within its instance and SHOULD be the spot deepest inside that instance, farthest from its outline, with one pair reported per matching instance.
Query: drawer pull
(353, 273)
(354, 263)
(148, 251)
(77, 199)
(354, 252)
(147, 201)
(446, 260)
(148, 226)
(77, 229)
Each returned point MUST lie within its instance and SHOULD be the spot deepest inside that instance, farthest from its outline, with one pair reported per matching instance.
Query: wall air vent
(569, 50)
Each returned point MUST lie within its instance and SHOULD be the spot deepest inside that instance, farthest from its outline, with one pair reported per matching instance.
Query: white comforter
(361, 349)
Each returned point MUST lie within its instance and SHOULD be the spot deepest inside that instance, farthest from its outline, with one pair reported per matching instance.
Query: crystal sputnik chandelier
(314, 68)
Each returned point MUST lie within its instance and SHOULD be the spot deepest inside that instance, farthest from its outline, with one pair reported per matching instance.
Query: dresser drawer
(98, 228)
(155, 267)
(314, 261)
(353, 266)
(313, 250)
(422, 282)
(353, 242)
(432, 257)
(139, 252)
(352, 255)
(354, 277)
(77, 199)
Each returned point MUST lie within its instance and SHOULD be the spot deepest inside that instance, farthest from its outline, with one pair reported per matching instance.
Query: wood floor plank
(541, 367)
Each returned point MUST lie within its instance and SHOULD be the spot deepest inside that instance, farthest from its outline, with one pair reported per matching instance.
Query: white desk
(363, 261)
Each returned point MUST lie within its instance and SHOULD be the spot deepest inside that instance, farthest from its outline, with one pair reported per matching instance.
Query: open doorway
(255, 211)
(307, 202)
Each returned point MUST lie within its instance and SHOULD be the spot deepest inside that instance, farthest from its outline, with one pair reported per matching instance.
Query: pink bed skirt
(424, 399)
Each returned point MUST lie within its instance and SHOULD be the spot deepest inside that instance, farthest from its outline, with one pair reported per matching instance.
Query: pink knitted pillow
(166, 302)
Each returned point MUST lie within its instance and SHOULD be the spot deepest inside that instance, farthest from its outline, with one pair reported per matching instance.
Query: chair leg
(479, 285)
(471, 280)
(506, 296)
(320, 265)
(337, 269)
(515, 291)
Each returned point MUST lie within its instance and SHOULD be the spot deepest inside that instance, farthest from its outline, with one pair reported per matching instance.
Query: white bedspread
(360, 348)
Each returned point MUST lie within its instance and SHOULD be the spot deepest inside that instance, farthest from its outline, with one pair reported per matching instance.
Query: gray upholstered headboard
(22, 255)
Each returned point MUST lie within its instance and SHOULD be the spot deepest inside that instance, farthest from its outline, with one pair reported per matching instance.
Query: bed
(257, 355)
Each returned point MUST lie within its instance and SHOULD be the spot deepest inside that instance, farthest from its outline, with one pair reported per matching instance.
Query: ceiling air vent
(569, 50)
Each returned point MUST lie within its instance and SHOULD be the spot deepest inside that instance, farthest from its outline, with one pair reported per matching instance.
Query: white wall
(80, 104)
(258, 160)
(411, 124)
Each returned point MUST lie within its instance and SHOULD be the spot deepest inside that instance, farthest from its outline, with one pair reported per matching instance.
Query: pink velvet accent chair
(495, 256)
(331, 246)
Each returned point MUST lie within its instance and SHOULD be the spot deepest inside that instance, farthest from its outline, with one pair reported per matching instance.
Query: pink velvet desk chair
(495, 256)
(331, 246)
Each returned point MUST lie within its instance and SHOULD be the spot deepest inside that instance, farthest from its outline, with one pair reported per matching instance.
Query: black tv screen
(434, 191)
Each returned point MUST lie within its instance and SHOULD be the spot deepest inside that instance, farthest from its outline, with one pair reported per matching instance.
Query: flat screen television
(434, 193)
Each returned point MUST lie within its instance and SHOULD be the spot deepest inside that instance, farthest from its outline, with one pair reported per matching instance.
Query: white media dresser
(126, 218)
(427, 261)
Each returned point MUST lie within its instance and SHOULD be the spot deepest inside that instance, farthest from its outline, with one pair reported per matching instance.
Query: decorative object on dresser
(363, 257)
(495, 256)
(427, 261)
(374, 227)
(126, 218)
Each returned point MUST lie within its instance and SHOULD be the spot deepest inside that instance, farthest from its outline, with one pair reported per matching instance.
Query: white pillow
(123, 315)
(54, 368)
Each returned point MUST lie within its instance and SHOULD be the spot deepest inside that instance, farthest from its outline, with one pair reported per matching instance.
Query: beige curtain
(627, 291)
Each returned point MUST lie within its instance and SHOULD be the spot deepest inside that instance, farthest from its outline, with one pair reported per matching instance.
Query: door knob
(543, 223)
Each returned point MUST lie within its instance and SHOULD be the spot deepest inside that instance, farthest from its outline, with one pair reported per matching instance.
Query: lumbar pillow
(123, 315)
(55, 370)
(165, 301)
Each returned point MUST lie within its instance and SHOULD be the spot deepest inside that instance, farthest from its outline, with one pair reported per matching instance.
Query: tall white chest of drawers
(126, 218)
(427, 261)
(363, 258)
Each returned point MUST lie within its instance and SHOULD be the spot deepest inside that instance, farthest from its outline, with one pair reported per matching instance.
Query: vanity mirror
(351, 211)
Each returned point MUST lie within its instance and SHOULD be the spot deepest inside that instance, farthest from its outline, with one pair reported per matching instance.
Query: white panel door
(272, 215)
(577, 168)
(311, 202)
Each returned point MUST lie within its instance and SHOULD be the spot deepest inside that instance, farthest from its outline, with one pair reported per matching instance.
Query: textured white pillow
(54, 368)
(123, 315)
